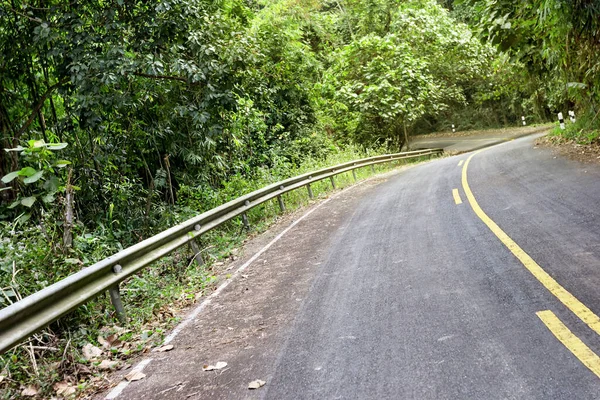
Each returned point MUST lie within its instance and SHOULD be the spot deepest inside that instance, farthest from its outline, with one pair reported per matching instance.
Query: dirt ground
(572, 150)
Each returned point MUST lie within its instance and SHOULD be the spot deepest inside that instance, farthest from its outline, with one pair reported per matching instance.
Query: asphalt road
(398, 292)
(466, 141)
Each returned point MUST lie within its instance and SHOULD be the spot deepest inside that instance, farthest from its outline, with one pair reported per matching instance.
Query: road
(468, 141)
(469, 277)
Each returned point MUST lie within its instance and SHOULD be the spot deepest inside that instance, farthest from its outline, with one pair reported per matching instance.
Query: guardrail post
(310, 193)
(332, 182)
(354, 173)
(372, 168)
(280, 200)
(245, 217)
(115, 297)
(196, 250)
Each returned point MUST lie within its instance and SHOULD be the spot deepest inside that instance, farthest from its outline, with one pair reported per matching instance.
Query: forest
(120, 118)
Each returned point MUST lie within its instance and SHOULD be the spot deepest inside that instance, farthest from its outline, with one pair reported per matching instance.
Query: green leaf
(56, 146)
(9, 177)
(22, 218)
(5, 188)
(34, 178)
(27, 171)
(28, 201)
(49, 198)
(36, 143)
(14, 204)
(51, 185)
(62, 163)
(18, 148)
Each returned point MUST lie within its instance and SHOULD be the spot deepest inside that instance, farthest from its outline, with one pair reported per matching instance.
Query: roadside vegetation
(119, 119)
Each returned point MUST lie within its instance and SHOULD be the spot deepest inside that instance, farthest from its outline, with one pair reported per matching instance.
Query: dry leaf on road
(166, 347)
(135, 375)
(256, 384)
(219, 365)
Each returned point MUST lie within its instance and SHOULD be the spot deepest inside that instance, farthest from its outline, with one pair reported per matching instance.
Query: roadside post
(572, 116)
(561, 120)
(453, 130)
(523, 119)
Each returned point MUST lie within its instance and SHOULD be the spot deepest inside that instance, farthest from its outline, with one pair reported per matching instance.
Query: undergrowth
(585, 130)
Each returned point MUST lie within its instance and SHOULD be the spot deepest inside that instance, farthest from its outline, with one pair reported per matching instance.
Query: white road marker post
(523, 119)
(561, 120)
(572, 116)
(453, 130)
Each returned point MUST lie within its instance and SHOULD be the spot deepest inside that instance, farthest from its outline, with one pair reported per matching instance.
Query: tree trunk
(68, 227)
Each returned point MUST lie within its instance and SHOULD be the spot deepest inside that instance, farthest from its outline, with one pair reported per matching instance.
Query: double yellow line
(562, 333)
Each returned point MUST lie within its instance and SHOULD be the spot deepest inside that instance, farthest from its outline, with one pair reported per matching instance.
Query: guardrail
(31, 314)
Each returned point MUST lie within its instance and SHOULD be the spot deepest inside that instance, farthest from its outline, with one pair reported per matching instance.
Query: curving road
(469, 277)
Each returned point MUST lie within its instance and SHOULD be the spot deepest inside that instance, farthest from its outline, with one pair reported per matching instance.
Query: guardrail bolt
(196, 250)
(117, 269)
(115, 299)
(197, 227)
(281, 205)
(310, 193)
(332, 182)
(354, 174)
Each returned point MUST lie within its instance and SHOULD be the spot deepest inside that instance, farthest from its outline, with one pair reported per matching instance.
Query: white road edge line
(117, 390)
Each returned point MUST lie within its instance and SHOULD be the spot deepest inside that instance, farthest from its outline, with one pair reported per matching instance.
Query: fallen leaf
(113, 340)
(135, 375)
(219, 365)
(91, 352)
(256, 384)
(30, 391)
(103, 342)
(110, 341)
(64, 389)
(108, 364)
(166, 347)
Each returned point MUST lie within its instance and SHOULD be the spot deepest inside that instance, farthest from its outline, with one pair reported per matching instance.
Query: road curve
(404, 292)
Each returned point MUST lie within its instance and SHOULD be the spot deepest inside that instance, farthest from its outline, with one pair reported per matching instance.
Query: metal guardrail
(31, 314)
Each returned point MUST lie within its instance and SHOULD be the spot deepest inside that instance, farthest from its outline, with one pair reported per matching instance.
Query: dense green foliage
(121, 118)
(556, 41)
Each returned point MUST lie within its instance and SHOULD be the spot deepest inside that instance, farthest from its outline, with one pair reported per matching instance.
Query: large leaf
(9, 177)
(62, 163)
(56, 146)
(18, 148)
(27, 171)
(34, 178)
(28, 201)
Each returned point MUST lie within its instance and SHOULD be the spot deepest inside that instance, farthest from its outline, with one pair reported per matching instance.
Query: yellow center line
(570, 341)
(456, 195)
(565, 297)
(461, 162)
